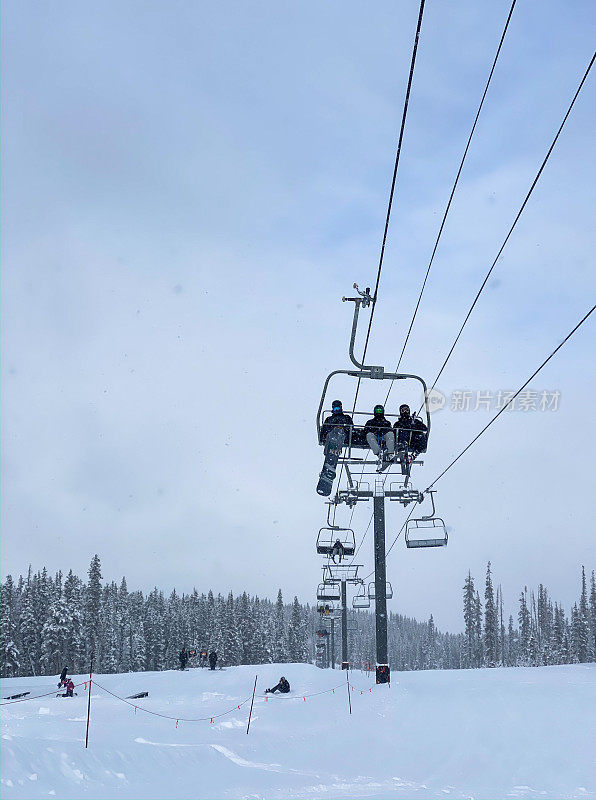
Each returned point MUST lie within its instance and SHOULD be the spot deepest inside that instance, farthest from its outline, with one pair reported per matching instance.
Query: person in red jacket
(69, 686)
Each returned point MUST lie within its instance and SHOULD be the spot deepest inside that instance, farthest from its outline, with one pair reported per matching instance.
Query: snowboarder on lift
(283, 686)
(380, 436)
(337, 551)
(410, 431)
(183, 658)
(212, 659)
(334, 432)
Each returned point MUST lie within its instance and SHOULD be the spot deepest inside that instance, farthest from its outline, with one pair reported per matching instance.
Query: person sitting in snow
(283, 686)
(69, 686)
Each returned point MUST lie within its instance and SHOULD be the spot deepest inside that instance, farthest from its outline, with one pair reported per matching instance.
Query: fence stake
(348, 685)
(89, 702)
(251, 704)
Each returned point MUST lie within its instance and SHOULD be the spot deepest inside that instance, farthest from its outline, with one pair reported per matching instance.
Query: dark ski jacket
(377, 425)
(213, 658)
(283, 686)
(334, 421)
(63, 674)
(415, 440)
(183, 658)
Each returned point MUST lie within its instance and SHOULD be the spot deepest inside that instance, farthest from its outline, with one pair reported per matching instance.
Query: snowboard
(333, 448)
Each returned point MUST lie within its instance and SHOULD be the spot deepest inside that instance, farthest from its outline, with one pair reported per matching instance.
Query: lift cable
(512, 398)
(515, 221)
(448, 207)
(392, 192)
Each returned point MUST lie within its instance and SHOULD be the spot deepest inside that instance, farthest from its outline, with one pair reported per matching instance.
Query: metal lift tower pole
(344, 628)
(332, 637)
(382, 672)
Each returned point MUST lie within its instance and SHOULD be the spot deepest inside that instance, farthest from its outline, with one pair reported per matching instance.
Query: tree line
(48, 622)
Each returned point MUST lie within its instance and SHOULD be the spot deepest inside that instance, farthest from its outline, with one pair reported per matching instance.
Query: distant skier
(183, 658)
(380, 436)
(203, 658)
(212, 659)
(63, 675)
(283, 686)
(69, 686)
(334, 432)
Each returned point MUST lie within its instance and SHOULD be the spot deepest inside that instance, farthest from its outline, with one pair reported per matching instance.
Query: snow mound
(503, 733)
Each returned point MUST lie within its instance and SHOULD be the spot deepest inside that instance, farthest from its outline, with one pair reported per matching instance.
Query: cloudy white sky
(190, 188)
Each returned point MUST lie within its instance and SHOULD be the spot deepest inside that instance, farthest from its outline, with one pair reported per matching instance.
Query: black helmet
(379, 411)
(336, 405)
(404, 409)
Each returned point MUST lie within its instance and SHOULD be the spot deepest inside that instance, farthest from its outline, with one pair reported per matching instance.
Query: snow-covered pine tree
(479, 648)
(92, 615)
(592, 617)
(10, 658)
(54, 637)
(468, 660)
(280, 647)
(232, 643)
(491, 623)
(74, 638)
(297, 639)
(523, 619)
(582, 637)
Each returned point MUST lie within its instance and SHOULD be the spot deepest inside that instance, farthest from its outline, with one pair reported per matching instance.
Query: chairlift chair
(372, 593)
(336, 542)
(328, 591)
(361, 599)
(426, 531)
(356, 435)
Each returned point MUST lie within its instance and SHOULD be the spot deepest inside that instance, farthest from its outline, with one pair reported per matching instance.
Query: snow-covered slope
(478, 733)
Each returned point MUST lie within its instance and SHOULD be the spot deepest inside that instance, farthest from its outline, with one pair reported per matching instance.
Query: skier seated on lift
(410, 432)
(380, 436)
(283, 686)
(337, 551)
(337, 420)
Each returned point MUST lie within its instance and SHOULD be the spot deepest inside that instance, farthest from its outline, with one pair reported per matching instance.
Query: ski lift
(388, 590)
(327, 609)
(328, 591)
(361, 599)
(411, 441)
(427, 531)
(336, 542)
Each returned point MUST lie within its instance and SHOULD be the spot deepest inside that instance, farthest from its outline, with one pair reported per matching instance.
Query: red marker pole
(89, 703)
(348, 685)
(251, 704)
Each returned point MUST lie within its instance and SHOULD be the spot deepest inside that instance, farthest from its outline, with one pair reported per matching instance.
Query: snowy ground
(479, 733)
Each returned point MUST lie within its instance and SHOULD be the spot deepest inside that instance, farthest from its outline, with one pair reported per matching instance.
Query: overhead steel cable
(392, 191)
(515, 221)
(391, 195)
(448, 207)
(512, 398)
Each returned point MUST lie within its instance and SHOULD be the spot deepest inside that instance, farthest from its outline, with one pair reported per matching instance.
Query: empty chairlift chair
(328, 591)
(360, 599)
(429, 531)
(388, 590)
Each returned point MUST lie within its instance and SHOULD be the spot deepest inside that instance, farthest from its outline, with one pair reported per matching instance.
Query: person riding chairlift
(337, 420)
(337, 551)
(410, 433)
(380, 436)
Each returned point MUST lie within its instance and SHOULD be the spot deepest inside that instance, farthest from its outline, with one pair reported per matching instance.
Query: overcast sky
(188, 191)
